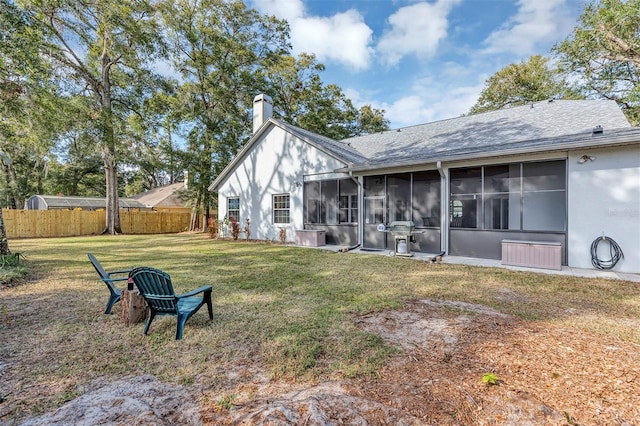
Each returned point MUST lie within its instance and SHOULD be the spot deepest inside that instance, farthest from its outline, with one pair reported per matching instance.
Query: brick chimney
(262, 111)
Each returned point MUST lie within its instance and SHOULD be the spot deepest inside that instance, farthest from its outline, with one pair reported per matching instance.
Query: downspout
(360, 210)
(444, 210)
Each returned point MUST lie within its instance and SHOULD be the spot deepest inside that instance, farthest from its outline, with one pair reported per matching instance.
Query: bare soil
(547, 374)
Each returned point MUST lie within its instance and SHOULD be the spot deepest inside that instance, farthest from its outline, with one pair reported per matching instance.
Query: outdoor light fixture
(586, 158)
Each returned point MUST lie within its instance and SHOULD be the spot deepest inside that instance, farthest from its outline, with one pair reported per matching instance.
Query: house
(558, 173)
(164, 198)
(59, 202)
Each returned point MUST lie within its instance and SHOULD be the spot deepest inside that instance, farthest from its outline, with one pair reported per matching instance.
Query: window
(502, 197)
(399, 197)
(466, 189)
(329, 205)
(543, 196)
(518, 196)
(233, 209)
(330, 202)
(312, 202)
(426, 199)
(348, 202)
(281, 208)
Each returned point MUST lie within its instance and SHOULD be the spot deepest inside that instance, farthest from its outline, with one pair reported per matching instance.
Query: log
(134, 308)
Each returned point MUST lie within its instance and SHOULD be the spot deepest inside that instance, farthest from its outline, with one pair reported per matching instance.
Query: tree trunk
(10, 176)
(112, 226)
(4, 243)
(134, 308)
(109, 150)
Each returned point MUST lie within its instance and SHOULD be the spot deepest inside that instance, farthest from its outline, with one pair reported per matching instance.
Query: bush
(235, 229)
(212, 227)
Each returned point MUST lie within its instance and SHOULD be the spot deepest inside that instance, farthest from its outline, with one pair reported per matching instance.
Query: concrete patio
(472, 261)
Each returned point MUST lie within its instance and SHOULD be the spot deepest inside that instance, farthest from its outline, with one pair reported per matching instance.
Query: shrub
(212, 227)
(235, 229)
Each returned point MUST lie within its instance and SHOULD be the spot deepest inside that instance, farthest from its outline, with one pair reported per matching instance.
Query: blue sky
(421, 61)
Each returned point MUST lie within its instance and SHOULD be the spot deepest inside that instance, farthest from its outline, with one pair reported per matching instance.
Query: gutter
(591, 141)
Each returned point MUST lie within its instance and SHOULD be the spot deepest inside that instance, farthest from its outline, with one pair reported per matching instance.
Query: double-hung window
(233, 209)
(281, 208)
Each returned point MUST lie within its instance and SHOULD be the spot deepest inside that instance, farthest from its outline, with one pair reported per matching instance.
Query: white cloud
(344, 37)
(415, 29)
(535, 23)
(433, 98)
(283, 9)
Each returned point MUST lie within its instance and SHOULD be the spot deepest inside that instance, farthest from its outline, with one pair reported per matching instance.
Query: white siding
(604, 198)
(276, 164)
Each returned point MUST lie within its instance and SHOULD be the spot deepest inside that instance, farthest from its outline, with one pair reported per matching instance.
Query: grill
(402, 231)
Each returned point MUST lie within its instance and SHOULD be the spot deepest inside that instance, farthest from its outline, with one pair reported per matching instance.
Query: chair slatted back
(99, 269)
(155, 285)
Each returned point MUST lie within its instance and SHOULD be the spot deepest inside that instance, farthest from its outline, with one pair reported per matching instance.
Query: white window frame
(281, 206)
(229, 209)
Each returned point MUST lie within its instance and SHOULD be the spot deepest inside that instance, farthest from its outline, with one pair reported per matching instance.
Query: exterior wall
(485, 244)
(276, 164)
(604, 198)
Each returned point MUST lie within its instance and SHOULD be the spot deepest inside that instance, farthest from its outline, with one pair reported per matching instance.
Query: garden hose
(614, 250)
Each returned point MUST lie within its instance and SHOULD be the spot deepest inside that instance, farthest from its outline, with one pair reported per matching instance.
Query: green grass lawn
(281, 311)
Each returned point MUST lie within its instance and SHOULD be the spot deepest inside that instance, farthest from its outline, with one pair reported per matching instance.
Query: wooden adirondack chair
(157, 290)
(105, 276)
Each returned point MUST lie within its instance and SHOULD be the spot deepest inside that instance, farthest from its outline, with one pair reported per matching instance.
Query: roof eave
(596, 141)
(238, 158)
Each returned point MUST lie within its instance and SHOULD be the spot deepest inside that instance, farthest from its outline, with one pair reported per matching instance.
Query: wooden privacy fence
(67, 223)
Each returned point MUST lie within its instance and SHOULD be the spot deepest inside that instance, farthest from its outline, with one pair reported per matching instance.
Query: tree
(27, 104)
(76, 166)
(603, 53)
(4, 243)
(100, 48)
(301, 98)
(520, 84)
(217, 48)
(370, 120)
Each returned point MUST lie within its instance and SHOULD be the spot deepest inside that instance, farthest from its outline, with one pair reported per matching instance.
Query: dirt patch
(547, 375)
(139, 401)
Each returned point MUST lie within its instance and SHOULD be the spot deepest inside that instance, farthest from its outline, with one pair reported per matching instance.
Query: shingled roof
(536, 126)
(163, 196)
(548, 125)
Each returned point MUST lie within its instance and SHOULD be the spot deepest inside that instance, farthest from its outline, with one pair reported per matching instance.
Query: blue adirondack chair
(157, 290)
(107, 278)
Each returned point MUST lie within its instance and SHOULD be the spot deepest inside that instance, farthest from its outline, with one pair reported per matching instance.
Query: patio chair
(157, 290)
(107, 278)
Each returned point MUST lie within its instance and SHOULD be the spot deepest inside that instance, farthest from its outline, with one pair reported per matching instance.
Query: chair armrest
(204, 289)
(122, 271)
(115, 279)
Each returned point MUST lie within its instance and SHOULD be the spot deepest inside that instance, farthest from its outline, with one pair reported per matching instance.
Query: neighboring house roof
(163, 196)
(532, 127)
(45, 202)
